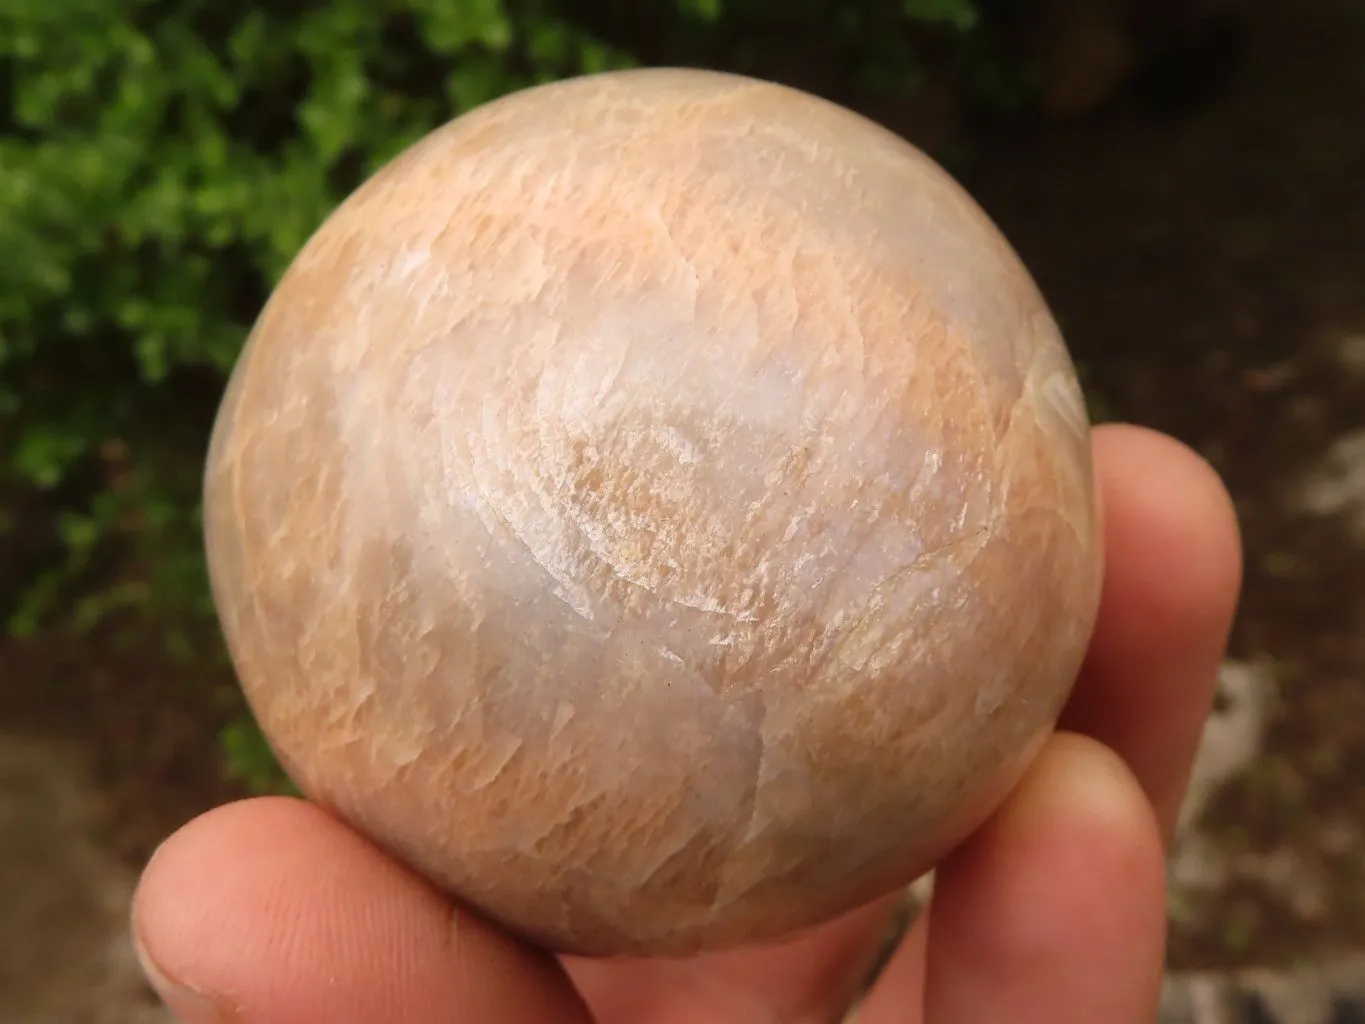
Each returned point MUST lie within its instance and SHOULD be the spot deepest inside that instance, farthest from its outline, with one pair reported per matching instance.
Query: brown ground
(1209, 272)
(147, 725)
(1210, 275)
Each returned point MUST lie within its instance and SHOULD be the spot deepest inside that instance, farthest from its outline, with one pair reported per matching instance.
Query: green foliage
(959, 14)
(251, 762)
(705, 10)
(161, 162)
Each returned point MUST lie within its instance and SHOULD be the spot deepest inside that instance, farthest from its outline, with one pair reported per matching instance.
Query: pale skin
(269, 911)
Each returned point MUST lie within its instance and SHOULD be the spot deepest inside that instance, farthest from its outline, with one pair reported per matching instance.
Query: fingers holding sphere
(272, 910)
(1173, 572)
(1054, 912)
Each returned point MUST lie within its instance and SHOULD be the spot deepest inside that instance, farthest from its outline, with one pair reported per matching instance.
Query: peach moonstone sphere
(657, 508)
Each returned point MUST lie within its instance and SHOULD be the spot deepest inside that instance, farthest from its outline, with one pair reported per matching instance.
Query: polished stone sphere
(657, 508)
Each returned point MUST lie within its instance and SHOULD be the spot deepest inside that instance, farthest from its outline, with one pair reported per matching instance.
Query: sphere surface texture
(657, 507)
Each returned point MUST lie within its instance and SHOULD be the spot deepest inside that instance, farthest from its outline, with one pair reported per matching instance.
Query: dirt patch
(145, 722)
(1210, 275)
(67, 957)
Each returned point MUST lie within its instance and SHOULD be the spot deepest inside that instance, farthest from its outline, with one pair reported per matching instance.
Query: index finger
(1173, 572)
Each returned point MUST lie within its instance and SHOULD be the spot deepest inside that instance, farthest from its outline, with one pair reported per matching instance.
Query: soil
(1209, 271)
(143, 725)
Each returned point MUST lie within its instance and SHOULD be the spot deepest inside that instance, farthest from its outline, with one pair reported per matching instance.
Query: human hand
(270, 910)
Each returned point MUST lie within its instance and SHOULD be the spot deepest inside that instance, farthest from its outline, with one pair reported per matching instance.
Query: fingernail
(189, 1006)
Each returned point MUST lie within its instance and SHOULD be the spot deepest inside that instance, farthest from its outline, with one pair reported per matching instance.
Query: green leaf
(961, 15)
(251, 761)
(703, 10)
(45, 451)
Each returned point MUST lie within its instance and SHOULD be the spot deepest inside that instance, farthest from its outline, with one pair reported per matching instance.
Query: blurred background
(1185, 178)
